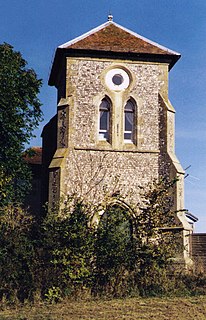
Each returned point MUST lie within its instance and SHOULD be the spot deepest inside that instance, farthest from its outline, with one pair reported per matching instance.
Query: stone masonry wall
(96, 174)
(85, 82)
(95, 168)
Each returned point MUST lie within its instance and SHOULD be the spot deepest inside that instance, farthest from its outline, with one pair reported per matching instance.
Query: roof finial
(110, 17)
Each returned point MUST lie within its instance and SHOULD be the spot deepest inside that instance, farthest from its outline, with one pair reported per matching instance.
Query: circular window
(117, 79)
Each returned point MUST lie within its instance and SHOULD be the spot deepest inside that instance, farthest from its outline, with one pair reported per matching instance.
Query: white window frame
(103, 132)
(133, 112)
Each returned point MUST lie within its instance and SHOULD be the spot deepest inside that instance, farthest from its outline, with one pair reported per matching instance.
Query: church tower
(114, 127)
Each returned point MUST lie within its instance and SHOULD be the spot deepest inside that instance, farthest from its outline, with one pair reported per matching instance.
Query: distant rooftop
(36, 158)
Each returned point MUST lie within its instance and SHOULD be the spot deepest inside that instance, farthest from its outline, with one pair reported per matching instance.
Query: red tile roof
(117, 39)
(111, 40)
(36, 158)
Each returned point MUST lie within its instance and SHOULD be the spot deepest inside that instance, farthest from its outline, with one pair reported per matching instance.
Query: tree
(135, 245)
(20, 114)
(159, 237)
(115, 251)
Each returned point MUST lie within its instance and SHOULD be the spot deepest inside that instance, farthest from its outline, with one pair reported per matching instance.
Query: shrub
(68, 242)
(127, 253)
(17, 253)
(115, 252)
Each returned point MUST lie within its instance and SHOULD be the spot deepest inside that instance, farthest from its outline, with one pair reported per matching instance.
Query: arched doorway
(115, 247)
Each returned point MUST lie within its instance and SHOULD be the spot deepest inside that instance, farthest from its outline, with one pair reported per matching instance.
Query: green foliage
(128, 252)
(17, 254)
(115, 251)
(193, 284)
(68, 247)
(133, 247)
(157, 243)
(19, 115)
(114, 239)
(156, 210)
(53, 295)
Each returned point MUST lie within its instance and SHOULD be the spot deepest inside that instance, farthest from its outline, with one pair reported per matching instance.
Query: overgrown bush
(68, 244)
(17, 254)
(133, 247)
(115, 252)
(127, 252)
(157, 243)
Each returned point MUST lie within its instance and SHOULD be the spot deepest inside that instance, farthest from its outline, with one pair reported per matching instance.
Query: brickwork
(199, 251)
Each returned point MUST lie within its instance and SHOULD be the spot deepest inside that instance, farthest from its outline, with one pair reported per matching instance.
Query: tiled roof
(113, 37)
(36, 157)
(112, 41)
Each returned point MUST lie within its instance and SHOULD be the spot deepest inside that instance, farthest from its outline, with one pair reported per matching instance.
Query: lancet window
(129, 121)
(104, 119)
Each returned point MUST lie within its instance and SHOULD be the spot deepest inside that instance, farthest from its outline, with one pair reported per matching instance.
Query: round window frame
(120, 72)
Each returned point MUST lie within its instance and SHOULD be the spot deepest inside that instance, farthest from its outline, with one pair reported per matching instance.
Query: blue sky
(37, 27)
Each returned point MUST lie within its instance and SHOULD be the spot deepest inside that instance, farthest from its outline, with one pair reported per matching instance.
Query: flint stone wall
(94, 168)
(84, 82)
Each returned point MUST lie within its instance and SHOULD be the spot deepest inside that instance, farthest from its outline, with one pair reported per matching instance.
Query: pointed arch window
(104, 119)
(129, 121)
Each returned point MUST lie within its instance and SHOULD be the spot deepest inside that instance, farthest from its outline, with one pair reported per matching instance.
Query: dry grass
(128, 309)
